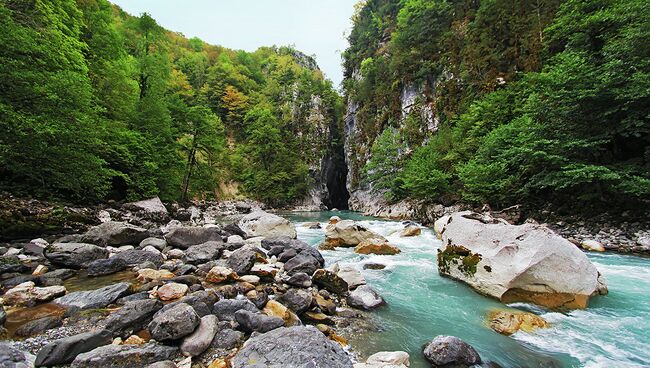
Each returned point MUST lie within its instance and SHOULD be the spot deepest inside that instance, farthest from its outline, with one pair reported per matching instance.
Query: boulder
(74, 255)
(242, 260)
(124, 356)
(260, 223)
(157, 243)
(450, 351)
(365, 297)
(64, 351)
(171, 291)
(114, 233)
(93, 299)
(380, 248)
(135, 257)
(38, 326)
(149, 274)
(150, 209)
(291, 347)
(163, 364)
(348, 233)
(199, 340)
(10, 357)
(219, 274)
(185, 236)
(133, 316)
(330, 281)
(27, 294)
(507, 322)
(257, 322)
(527, 263)
(11, 264)
(592, 245)
(387, 359)
(299, 279)
(276, 309)
(439, 225)
(174, 323)
(302, 263)
(202, 253)
(410, 230)
(107, 266)
(225, 309)
(349, 274)
(297, 300)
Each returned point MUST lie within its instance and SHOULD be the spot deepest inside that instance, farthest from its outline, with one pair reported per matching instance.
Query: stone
(257, 322)
(395, 359)
(316, 318)
(348, 233)
(297, 300)
(373, 266)
(174, 254)
(252, 279)
(74, 255)
(93, 299)
(517, 263)
(349, 274)
(334, 220)
(410, 230)
(450, 351)
(64, 351)
(134, 340)
(260, 223)
(276, 309)
(11, 357)
(218, 363)
(163, 364)
(114, 233)
(171, 291)
(592, 245)
(439, 225)
(11, 264)
(286, 347)
(242, 260)
(133, 316)
(365, 297)
(227, 338)
(148, 274)
(225, 309)
(379, 248)
(135, 257)
(40, 270)
(27, 294)
(150, 209)
(325, 305)
(507, 322)
(302, 262)
(219, 274)
(202, 253)
(107, 266)
(157, 243)
(174, 323)
(299, 279)
(264, 271)
(234, 239)
(38, 326)
(185, 236)
(330, 281)
(199, 340)
(124, 356)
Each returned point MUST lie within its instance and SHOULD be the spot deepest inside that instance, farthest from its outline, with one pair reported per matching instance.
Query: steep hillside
(499, 102)
(97, 104)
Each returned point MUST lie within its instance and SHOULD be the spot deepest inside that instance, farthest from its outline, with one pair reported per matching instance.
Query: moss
(459, 256)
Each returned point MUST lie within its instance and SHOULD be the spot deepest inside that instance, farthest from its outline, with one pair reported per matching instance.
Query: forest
(96, 104)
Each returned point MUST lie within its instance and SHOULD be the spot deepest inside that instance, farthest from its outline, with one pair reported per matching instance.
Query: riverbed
(612, 332)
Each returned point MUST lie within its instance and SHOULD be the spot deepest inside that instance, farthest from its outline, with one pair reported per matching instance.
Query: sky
(315, 27)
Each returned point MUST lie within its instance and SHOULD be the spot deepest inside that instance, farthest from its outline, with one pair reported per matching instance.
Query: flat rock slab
(124, 356)
(92, 299)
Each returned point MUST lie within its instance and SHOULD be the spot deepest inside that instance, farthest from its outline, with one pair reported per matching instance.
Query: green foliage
(383, 168)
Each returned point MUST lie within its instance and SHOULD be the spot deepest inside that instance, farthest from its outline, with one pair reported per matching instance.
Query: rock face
(291, 347)
(507, 322)
(260, 223)
(174, 323)
(184, 237)
(115, 233)
(365, 297)
(92, 299)
(348, 233)
(65, 350)
(451, 351)
(512, 263)
(124, 356)
(74, 255)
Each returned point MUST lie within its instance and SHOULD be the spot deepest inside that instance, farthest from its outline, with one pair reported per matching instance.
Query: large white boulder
(260, 223)
(516, 262)
(348, 233)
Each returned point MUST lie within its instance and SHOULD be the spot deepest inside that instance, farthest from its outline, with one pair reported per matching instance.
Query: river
(613, 332)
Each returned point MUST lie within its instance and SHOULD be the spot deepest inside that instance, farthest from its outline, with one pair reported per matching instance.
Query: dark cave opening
(336, 173)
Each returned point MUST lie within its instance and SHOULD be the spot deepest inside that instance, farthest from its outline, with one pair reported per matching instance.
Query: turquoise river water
(613, 332)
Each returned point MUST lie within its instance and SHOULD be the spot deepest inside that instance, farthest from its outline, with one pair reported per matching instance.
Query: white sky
(315, 27)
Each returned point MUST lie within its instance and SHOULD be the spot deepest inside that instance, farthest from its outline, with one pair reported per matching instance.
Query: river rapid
(613, 332)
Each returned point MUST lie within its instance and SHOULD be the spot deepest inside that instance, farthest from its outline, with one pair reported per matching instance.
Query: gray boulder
(197, 342)
(260, 223)
(451, 351)
(174, 323)
(242, 260)
(330, 281)
(227, 339)
(133, 316)
(114, 233)
(297, 300)
(291, 347)
(107, 266)
(225, 309)
(74, 255)
(92, 299)
(10, 357)
(149, 209)
(299, 279)
(303, 262)
(365, 297)
(38, 326)
(202, 253)
(64, 351)
(257, 322)
(163, 364)
(157, 243)
(183, 237)
(135, 257)
(124, 356)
